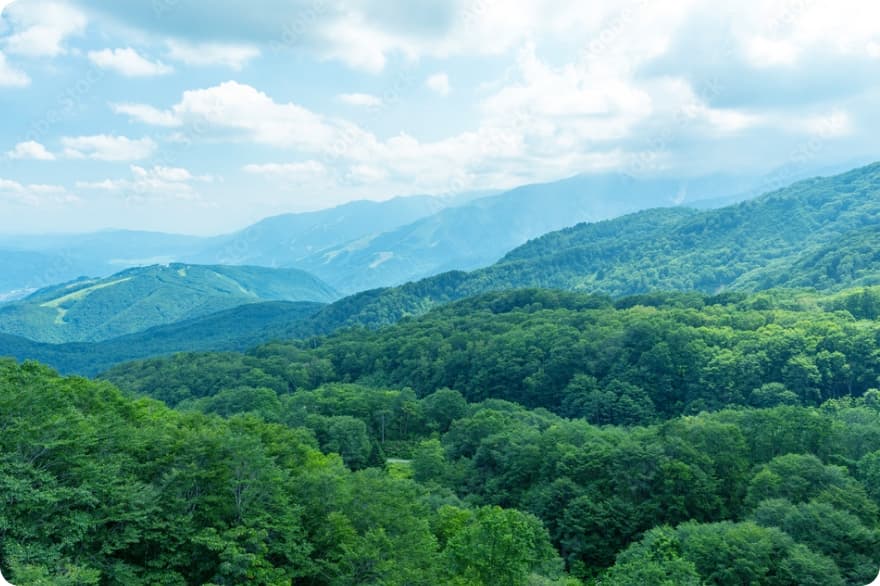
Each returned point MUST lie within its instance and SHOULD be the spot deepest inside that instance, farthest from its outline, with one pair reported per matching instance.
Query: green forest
(820, 234)
(521, 437)
(439, 293)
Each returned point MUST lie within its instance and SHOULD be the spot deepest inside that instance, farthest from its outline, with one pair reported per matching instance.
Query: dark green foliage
(831, 531)
(694, 486)
(238, 328)
(819, 233)
(599, 490)
(765, 496)
(577, 355)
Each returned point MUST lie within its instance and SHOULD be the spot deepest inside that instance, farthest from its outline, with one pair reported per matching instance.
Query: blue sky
(200, 117)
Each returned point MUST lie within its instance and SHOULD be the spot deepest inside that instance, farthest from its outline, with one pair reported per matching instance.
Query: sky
(200, 117)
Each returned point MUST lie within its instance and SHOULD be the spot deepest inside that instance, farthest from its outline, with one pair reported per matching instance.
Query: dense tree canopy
(634, 361)
(525, 437)
(100, 489)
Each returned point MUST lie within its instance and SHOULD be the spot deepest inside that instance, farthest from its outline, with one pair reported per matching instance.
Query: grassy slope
(238, 328)
(138, 299)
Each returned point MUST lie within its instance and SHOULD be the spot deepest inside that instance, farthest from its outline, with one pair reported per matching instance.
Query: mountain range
(479, 233)
(822, 233)
(819, 232)
(366, 244)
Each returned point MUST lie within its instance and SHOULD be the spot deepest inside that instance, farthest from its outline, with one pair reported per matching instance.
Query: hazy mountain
(29, 262)
(821, 232)
(33, 261)
(289, 239)
(477, 234)
(140, 298)
(23, 271)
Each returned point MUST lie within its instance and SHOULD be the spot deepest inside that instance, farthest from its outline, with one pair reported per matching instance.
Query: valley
(355, 293)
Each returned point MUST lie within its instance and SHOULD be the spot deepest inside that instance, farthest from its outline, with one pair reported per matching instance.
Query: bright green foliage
(136, 299)
(493, 546)
(656, 559)
(100, 489)
(818, 233)
(744, 553)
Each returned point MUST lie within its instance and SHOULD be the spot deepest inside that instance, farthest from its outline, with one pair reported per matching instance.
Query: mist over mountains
(366, 244)
(818, 233)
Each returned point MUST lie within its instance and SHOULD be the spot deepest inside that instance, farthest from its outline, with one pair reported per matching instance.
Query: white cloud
(303, 171)
(606, 98)
(30, 150)
(207, 54)
(157, 182)
(147, 114)
(34, 194)
(104, 147)
(40, 27)
(128, 62)
(366, 174)
(873, 49)
(550, 138)
(764, 52)
(356, 45)
(253, 115)
(11, 77)
(366, 100)
(835, 124)
(439, 83)
(596, 102)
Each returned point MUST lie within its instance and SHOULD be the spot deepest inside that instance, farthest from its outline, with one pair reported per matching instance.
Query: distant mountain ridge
(363, 244)
(479, 233)
(32, 261)
(89, 310)
(822, 233)
(288, 240)
(819, 232)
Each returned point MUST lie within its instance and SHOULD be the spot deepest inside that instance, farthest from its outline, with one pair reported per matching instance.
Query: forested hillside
(716, 249)
(817, 233)
(239, 328)
(634, 361)
(478, 233)
(137, 299)
(100, 489)
(660, 439)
